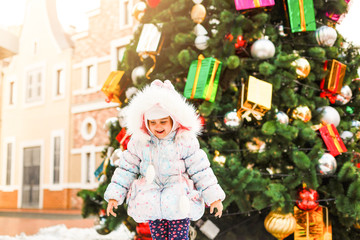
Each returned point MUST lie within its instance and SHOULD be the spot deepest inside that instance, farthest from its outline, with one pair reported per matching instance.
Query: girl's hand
(112, 204)
(218, 205)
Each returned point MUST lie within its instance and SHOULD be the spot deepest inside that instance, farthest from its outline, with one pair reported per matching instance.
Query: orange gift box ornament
(331, 85)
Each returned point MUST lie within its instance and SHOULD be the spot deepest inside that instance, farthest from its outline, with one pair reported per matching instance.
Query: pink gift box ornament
(247, 4)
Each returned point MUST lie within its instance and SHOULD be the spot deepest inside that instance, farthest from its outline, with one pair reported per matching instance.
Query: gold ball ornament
(302, 113)
(357, 225)
(198, 13)
(280, 225)
(138, 10)
(256, 145)
(302, 67)
(220, 159)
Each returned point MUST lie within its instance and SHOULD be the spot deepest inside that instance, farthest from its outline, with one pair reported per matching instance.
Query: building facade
(52, 108)
(96, 54)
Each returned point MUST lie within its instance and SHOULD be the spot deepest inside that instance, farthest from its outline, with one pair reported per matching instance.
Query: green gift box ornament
(301, 14)
(203, 79)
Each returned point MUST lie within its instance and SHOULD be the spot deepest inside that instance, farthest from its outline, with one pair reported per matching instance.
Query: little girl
(164, 175)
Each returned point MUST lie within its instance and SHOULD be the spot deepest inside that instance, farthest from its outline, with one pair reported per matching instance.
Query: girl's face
(160, 127)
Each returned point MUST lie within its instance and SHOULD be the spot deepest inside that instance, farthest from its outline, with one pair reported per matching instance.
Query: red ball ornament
(307, 199)
(153, 3)
(202, 120)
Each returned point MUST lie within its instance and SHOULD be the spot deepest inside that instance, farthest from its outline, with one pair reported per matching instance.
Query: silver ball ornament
(130, 92)
(199, 30)
(347, 136)
(326, 36)
(355, 123)
(329, 115)
(327, 164)
(282, 118)
(201, 42)
(137, 73)
(232, 121)
(262, 49)
(345, 95)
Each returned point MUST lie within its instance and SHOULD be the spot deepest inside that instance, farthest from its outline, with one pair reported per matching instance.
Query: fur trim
(164, 95)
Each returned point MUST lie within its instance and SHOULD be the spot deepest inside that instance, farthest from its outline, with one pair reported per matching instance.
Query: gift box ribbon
(212, 78)
(248, 111)
(256, 3)
(302, 16)
(334, 137)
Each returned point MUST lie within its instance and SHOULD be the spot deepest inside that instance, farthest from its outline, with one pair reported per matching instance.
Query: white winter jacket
(181, 167)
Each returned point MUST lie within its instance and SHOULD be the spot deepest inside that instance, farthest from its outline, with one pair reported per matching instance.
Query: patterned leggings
(170, 229)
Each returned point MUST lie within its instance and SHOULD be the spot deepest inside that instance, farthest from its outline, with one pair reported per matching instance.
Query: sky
(70, 12)
(73, 12)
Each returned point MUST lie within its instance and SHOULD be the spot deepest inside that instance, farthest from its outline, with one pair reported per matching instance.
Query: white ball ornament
(137, 73)
(262, 49)
(197, 1)
(326, 36)
(201, 42)
(329, 115)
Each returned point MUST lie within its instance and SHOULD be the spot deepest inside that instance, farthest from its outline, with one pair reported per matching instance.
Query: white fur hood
(164, 95)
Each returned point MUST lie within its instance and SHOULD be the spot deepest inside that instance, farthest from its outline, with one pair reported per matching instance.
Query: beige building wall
(101, 47)
(36, 113)
(76, 117)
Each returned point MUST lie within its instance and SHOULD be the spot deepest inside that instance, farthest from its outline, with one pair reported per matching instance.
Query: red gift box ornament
(123, 138)
(307, 199)
(332, 139)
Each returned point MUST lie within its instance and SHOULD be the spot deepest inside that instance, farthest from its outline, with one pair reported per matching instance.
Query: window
(120, 53)
(125, 13)
(57, 156)
(34, 86)
(11, 93)
(8, 163)
(88, 168)
(91, 78)
(60, 83)
(117, 50)
(36, 46)
(56, 159)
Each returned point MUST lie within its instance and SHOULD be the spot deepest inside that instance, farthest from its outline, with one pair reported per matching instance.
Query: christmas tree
(277, 90)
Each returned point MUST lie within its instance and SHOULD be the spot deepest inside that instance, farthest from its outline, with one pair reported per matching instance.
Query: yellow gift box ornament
(255, 99)
(114, 87)
(312, 225)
